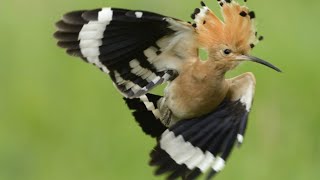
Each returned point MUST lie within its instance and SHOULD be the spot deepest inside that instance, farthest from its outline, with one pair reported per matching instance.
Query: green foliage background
(62, 119)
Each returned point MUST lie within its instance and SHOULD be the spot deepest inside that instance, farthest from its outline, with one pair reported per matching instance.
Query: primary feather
(138, 49)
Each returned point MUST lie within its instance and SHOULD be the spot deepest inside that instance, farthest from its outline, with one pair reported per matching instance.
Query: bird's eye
(227, 51)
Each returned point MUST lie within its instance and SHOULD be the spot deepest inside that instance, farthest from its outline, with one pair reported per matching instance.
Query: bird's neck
(213, 71)
(212, 76)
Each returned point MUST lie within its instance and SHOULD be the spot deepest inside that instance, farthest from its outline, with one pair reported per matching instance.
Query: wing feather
(113, 38)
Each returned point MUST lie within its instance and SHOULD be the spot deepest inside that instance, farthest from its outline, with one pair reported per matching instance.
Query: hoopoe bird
(201, 115)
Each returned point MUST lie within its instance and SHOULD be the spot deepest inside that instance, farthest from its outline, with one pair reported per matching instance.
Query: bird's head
(230, 40)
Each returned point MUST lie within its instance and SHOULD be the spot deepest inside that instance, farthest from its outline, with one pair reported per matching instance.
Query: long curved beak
(258, 60)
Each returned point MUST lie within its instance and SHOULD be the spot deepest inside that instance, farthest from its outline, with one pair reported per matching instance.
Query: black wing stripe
(127, 54)
(226, 149)
(65, 27)
(69, 45)
(201, 139)
(129, 76)
(242, 128)
(166, 164)
(107, 41)
(91, 15)
(123, 14)
(147, 114)
(193, 175)
(74, 18)
(66, 36)
(215, 146)
(125, 45)
(145, 15)
(75, 52)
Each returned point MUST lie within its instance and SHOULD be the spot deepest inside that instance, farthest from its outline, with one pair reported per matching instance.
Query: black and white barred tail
(191, 147)
(133, 47)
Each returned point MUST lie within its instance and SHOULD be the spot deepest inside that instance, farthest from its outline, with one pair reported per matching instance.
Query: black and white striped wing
(146, 112)
(138, 49)
(192, 147)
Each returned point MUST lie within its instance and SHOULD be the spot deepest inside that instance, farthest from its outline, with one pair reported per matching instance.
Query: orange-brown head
(231, 39)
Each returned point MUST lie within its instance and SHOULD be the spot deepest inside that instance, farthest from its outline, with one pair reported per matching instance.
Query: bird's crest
(237, 28)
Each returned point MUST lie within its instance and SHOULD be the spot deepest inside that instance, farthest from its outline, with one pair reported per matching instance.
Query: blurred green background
(62, 119)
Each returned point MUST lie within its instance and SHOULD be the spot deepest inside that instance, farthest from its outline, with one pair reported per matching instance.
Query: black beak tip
(277, 69)
(263, 62)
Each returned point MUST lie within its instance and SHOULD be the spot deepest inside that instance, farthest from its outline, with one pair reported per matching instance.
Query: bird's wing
(191, 147)
(138, 49)
(147, 114)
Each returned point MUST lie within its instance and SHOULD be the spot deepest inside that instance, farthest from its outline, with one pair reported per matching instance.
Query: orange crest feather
(237, 29)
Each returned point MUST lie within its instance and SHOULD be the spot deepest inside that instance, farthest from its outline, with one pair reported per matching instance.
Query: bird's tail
(147, 114)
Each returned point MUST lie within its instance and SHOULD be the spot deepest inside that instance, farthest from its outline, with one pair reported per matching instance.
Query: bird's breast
(191, 97)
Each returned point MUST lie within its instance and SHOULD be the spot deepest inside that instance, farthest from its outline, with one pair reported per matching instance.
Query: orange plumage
(237, 29)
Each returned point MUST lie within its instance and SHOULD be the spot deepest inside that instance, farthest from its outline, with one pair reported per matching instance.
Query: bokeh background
(62, 119)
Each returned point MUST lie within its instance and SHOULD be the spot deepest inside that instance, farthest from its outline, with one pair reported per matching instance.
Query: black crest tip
(193, 16)
(202, 3)
(196, 11)
(252, 15)
(260, 38)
